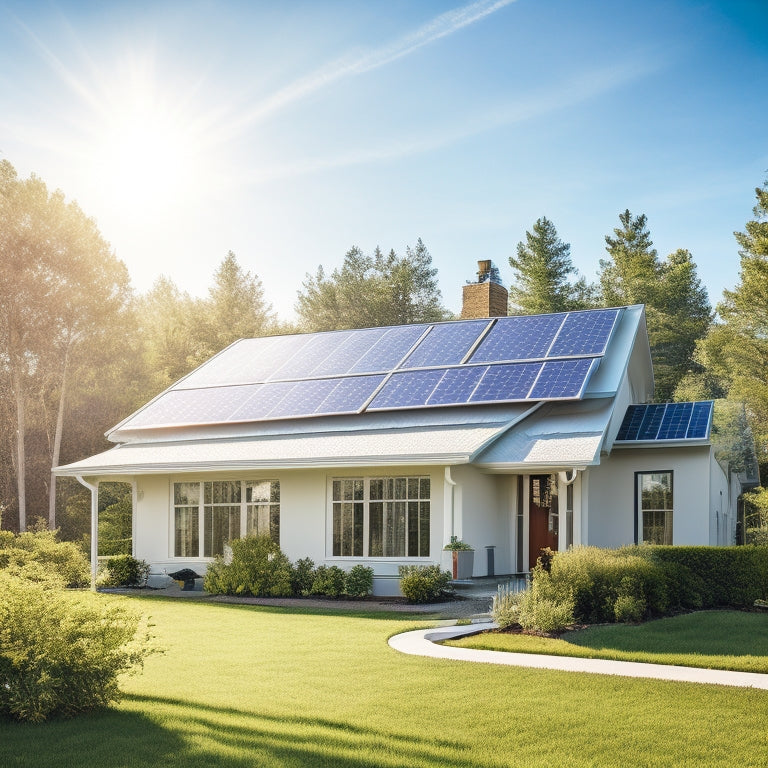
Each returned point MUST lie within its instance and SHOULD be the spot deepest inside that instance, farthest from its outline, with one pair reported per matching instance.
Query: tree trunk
(20, 457)
(57, 444)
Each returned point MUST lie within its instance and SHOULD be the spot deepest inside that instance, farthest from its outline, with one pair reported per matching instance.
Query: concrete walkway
(424, 643)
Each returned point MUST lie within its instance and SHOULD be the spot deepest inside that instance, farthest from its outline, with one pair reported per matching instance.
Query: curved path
(423, 642)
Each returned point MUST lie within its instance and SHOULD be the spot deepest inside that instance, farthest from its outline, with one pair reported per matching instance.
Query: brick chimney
(486, 297)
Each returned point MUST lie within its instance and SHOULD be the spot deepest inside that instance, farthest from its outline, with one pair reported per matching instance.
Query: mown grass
(710, 639)
(251, 686)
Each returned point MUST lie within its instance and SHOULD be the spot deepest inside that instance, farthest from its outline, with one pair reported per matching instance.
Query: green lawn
(243, 686)
(709, 639)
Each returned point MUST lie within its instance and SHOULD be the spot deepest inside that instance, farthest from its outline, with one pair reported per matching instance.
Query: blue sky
(288, 132)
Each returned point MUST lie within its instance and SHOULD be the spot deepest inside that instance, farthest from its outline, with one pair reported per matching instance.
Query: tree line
(80, 349)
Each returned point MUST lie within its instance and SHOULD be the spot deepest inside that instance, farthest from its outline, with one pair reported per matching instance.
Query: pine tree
(542, 267)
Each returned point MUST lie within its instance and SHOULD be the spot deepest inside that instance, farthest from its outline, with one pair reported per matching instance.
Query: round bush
(329, 580)
(423, 583)
(359, 581)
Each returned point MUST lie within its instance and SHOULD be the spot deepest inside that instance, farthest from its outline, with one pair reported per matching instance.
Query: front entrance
(543, 520)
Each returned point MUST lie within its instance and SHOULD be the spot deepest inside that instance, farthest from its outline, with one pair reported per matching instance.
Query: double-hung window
(655, 507)
(380, 516)
(223, 510)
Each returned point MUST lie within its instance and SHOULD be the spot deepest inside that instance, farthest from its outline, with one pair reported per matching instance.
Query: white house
(376, 446)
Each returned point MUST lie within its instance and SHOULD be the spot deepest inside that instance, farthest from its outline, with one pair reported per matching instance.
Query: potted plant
(462, 558)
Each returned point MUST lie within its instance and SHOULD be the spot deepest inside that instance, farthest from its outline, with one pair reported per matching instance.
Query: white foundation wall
(305, 519)
(610, 494)
(482, 517)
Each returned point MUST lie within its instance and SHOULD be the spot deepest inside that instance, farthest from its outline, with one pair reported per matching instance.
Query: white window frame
(201, 505)
(366, 518)
(669, 514)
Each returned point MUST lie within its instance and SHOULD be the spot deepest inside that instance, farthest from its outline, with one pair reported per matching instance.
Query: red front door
(542, 518)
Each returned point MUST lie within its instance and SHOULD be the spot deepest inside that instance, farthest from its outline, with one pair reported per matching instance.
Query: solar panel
(446, 344)
(263, 401)
(503, 383)
(312, 354)
(407, 390)
(194, 406)
(701, 417)
(584, 333)
(562, 379)
(674, 424)
(670, 421)
(457, 385)
(518, 338)
(344, 357)
(350, 395)
(303, 398)
(389, 350)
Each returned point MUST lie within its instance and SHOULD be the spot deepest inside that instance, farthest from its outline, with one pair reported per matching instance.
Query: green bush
(505, 610)
(61, 652)
(60, 558)
(126, 571)
(302, 577)
(258, 568)
(329, 580)
(545, 607)
(423, 583)
(359, 581)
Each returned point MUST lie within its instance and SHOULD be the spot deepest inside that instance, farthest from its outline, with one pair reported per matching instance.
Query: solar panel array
(507, 359)
(666, 421)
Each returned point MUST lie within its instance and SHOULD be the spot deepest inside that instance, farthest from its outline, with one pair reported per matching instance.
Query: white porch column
(94, 489)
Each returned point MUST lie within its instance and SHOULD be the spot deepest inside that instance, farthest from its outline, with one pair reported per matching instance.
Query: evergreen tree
(369, 291)
(542, 267)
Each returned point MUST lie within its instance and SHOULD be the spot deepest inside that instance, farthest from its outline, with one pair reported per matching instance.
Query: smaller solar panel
(303, 399)
(522, 337)
(457, 385)
(389, 350)
(670, 421)
(345, 356)
(350, 394)
(701, 418)
(263, 401)
(312, 354)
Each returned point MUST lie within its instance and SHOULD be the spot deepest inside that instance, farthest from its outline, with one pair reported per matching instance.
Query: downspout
(94, 489)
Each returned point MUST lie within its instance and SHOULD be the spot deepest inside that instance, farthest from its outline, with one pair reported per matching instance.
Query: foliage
(258, 568)
(505, 609)
(424, 583)
(541, 270)
(677, 307)
(302, 576)
(359, 582)
(734, 353)
(61, 653)
(456, 544)
(375, 290)
(542, 609)
(40, 555)
(329, 581)
(126, 571)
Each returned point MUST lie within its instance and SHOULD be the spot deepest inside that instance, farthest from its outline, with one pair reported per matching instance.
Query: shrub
(61, 558)
(629, 608)
(359, 581)
(258, 568)
(545, 607)
(506, 606)
(302, 577)
(329, 580)
(61, 652)
(423, 584)
(126, 571)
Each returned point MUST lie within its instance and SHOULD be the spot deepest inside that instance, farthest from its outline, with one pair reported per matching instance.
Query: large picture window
(224, 510)
(380, 517)
(655, 506)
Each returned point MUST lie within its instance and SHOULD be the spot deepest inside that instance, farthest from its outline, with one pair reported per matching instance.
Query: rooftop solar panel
(457, 385)
(303, 399)
(311, 355)
(670, 421)
(504, 383)
(263, 401)
(408, 389)
(562, 379)
(389, 350)
(584, 333)
(344, 357)
(350, 394)
(518, 338)
(446, 344)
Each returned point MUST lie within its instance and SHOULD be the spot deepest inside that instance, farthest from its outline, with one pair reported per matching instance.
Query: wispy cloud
(441, 26)
(577, 89)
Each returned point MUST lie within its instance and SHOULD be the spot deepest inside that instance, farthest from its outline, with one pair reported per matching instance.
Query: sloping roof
(421, 366)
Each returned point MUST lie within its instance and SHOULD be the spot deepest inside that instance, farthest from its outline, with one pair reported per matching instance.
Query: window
(225, 510)
(380, 517)
(654, 502)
